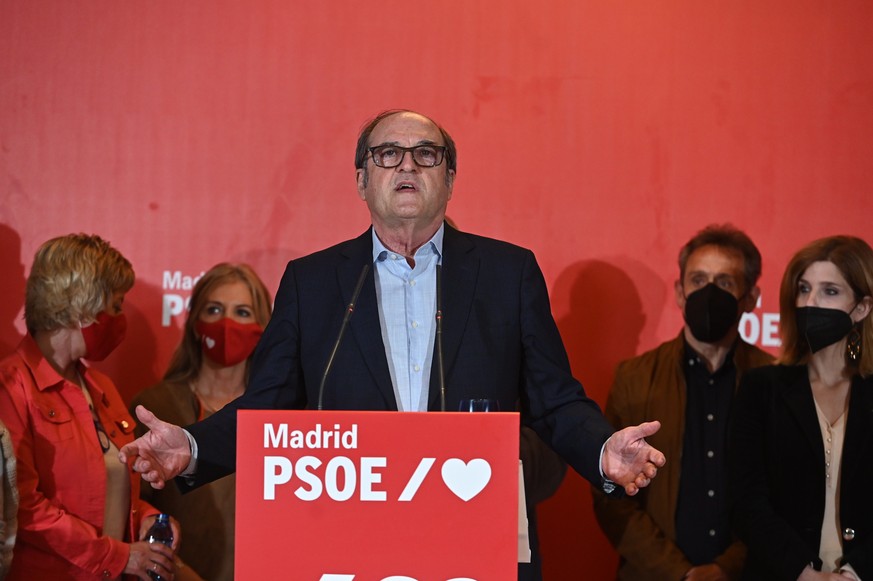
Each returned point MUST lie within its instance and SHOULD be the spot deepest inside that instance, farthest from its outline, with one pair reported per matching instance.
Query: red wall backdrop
(600, 134)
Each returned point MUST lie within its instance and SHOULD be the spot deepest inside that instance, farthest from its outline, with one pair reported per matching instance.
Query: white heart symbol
(210, 342)
(468, 479)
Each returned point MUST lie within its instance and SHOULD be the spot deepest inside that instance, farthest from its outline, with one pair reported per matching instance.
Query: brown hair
(186, 361)
(72, 280)
(854, 258)
(729, 237)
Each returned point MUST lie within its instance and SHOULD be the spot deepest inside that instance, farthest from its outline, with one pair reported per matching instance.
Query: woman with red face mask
(80, 515)
(229, 308)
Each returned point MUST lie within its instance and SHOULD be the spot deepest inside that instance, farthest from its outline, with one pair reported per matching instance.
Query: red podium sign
(377, 496)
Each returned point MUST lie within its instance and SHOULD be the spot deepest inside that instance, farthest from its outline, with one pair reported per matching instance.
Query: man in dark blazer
(498, 336)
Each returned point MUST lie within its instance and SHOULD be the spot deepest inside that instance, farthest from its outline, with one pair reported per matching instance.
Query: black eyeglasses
(392, 155)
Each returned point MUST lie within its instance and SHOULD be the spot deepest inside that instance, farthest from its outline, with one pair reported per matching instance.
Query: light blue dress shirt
(407, 309)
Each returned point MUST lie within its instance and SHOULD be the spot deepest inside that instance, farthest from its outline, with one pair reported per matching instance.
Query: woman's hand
(154, 557)
(810, 574)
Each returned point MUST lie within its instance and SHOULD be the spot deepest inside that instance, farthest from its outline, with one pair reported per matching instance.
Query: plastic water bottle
(160, 532)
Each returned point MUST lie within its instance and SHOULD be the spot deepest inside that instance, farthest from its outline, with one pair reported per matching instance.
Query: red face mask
(104, 335)
(226, 341)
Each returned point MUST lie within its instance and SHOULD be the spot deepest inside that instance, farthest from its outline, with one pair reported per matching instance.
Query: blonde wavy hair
(72, 280)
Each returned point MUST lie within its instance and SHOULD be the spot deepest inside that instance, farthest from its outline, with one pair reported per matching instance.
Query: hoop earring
(853, 345)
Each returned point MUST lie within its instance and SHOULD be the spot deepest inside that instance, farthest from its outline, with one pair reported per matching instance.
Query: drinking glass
(479, 405)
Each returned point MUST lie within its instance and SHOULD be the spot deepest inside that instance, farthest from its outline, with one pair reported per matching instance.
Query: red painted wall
(600, 134)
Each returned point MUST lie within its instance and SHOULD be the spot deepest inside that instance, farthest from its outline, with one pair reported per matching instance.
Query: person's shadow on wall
(602, 319)
(11, 289)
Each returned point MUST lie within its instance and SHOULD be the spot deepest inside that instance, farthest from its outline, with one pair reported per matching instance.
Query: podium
(376, 496)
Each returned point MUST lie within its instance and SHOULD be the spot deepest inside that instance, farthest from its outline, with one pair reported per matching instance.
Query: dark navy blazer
(500, 342)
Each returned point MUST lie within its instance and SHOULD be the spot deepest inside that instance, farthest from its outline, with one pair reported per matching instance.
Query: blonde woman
(80, 515)
(230, 306)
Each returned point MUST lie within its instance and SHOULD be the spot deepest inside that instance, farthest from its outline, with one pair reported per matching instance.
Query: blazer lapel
(859, 427)
(459, 273)
(801, 405)
(364, 326)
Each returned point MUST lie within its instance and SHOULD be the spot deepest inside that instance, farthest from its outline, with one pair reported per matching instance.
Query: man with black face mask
(679, 528)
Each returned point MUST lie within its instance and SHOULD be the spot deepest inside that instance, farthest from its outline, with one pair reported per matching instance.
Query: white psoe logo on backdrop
(175, 304)
(760, 328)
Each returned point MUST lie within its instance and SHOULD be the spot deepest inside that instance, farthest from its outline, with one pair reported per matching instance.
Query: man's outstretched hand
(160, 454)
(631, 462)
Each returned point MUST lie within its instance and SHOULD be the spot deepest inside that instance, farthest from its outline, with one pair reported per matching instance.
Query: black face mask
(710, 313)
(822, 327)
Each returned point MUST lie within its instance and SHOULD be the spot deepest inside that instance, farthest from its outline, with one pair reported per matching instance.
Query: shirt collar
(44, 375)
(693, 356)
(435, 245)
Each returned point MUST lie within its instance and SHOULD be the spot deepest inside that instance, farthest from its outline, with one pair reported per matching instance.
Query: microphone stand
(349, 311)
(441, 369)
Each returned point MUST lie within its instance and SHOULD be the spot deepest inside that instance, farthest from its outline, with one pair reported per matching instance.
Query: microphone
(349, 310)
(441, 368)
